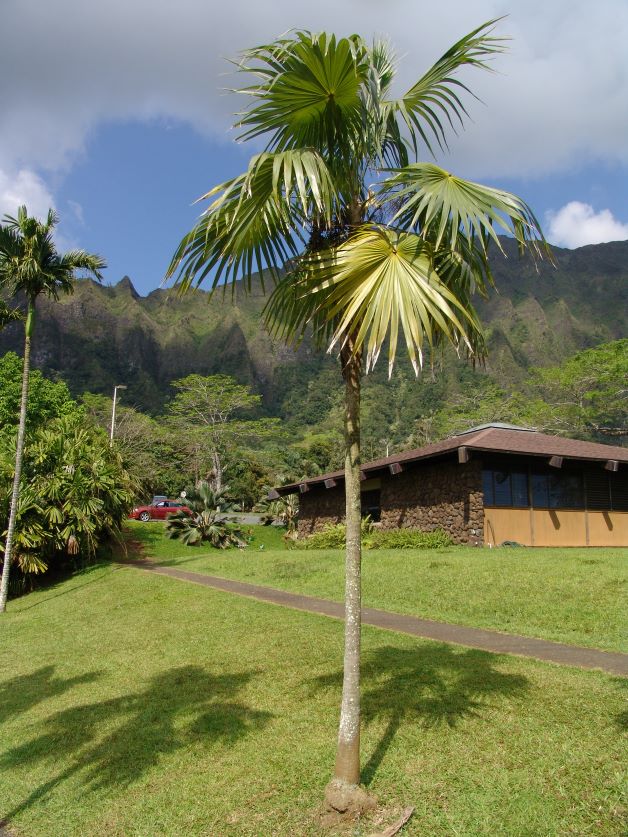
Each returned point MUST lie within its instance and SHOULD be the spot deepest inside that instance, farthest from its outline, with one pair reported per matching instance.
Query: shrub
(333, 537)
(409, 539)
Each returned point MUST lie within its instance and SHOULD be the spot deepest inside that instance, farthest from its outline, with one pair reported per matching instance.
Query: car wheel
(145, 517)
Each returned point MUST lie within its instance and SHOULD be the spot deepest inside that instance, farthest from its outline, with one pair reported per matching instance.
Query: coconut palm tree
(31, 266)
(366, 246)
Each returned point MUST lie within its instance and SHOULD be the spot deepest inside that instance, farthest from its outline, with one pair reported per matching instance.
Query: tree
(46, 399)
(75, 492)
(149, 451)
(208, 411)
(365, 247)
(585, 396)
(30, 265)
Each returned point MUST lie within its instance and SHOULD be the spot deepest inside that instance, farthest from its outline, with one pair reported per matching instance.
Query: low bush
(333, 537)
(408, 539)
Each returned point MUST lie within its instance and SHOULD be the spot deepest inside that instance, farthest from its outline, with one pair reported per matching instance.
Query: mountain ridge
(104, 335)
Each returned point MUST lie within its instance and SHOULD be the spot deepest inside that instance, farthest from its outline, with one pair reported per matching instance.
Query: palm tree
(364, 244)
(30, 265)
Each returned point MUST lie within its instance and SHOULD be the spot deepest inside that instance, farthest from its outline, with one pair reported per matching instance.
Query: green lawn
(576, 596)
(133, 705)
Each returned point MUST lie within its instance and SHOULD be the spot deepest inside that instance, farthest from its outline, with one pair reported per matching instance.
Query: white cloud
(559, 98)
(577, 224)
(24, 187)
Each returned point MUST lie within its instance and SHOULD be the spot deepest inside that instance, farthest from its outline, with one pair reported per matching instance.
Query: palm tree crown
(30, 263)
(334, 200)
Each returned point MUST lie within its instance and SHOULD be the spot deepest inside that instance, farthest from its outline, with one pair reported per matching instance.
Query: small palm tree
(366, 246)
(30, 265)
(209, 521)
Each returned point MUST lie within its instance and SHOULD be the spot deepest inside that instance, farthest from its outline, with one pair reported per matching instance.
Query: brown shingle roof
(492, 438)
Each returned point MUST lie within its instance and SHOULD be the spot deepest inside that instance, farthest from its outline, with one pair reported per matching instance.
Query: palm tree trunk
(19, 451)
(348, 752)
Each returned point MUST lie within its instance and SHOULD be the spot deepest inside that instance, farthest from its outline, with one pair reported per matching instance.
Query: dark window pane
(598, 493)
(619, 491)
(539, 491)
(487, 488)
(519, 481)
(565, 491)
(503, 493)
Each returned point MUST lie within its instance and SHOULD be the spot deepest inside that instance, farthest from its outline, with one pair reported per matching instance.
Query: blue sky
(115, 114)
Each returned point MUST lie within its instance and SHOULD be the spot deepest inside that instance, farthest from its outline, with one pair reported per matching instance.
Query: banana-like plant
(365, 245)
(209, 521)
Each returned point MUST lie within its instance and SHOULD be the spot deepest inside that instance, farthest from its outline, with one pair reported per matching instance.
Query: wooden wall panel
(608, 528)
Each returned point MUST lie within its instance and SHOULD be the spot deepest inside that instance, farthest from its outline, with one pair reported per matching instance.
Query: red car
(159, 511)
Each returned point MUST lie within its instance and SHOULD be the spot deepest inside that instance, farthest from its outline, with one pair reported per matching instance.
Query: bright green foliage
(208, 522)
(586, 396)
(207, 416)
(75, 493)
(46, 399)
(408, 539)
(333, 535)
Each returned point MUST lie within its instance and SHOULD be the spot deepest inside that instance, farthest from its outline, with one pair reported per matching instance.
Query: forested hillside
(106, 335)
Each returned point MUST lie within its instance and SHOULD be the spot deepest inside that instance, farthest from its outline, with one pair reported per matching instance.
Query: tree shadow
(21, 693)
(180, 707)
(430, 685)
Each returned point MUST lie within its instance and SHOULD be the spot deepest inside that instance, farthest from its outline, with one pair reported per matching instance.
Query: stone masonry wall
(440, 496)
(320, 507)
(444, 495)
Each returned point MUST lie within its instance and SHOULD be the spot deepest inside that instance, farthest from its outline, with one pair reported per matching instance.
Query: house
(491, 484)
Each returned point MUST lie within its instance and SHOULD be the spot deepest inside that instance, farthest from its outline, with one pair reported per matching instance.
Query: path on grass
(540, 649)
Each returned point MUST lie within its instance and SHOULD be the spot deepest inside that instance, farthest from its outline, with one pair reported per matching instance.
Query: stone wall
(443, 495)
(320, 507)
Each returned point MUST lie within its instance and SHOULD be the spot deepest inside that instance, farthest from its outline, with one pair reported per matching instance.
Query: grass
(574, 595)
(134, 705)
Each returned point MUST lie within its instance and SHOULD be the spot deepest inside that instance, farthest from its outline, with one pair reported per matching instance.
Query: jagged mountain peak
(126, 286)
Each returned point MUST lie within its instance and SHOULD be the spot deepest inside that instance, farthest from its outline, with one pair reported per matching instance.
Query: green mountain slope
(103, 336)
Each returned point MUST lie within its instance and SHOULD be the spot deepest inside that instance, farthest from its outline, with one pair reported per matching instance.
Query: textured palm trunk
(15, 495)
(348, 752)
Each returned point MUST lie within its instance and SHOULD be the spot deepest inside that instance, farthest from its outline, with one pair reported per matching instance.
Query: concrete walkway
(554, 652)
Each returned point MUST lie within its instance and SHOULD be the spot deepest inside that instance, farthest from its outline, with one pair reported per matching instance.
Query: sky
(118, 114)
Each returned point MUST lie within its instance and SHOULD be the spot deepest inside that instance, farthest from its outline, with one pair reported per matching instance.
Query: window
(505, 487)
(557, 490)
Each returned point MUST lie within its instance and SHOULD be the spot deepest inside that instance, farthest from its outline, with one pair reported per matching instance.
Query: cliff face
(102, 336)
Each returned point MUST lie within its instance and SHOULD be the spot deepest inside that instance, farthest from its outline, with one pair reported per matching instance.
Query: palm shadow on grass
(21, 693)
(185, 706)
(430, 686)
